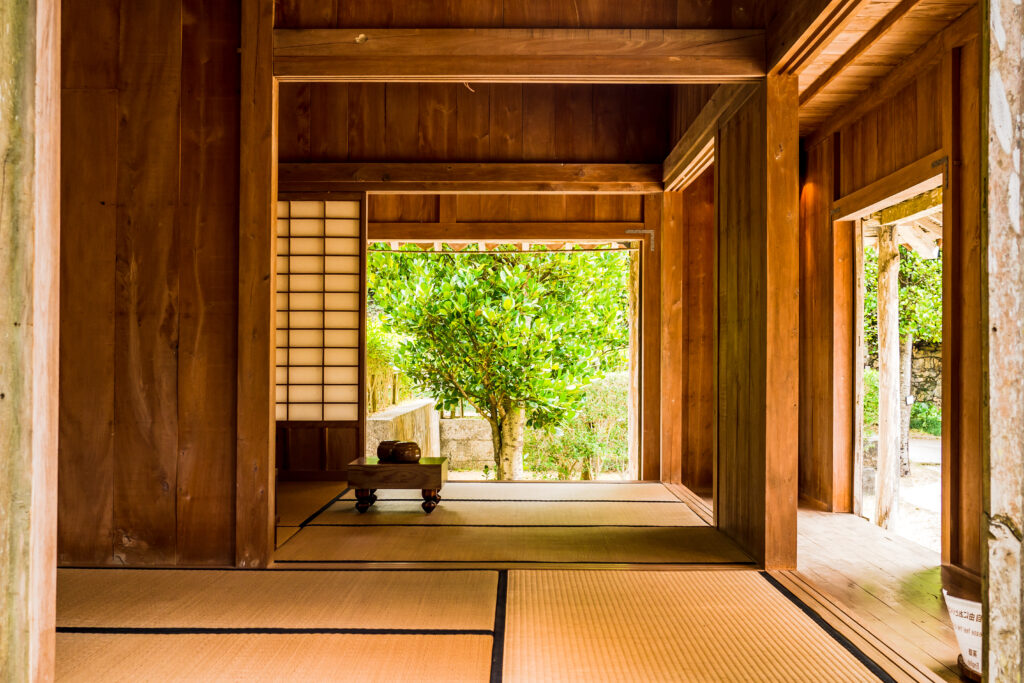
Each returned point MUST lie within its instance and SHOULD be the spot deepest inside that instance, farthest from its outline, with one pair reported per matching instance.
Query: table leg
(430, 500)
(364, 499)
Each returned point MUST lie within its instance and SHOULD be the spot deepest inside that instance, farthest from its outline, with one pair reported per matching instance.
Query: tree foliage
(920, 282)
(517, 336)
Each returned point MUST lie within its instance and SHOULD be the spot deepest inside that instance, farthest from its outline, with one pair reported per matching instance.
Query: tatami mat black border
(498, 644)
(574, 563)
(328, 504)
(201, 630)
(523, 500)
(519, 526)
(868, 663)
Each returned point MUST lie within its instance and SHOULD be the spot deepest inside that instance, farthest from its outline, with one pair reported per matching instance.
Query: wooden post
(888, 474)
(1003, 136)
(29, 288)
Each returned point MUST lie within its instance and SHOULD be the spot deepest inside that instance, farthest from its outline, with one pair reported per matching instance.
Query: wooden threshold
(538, 55)
(469, 178)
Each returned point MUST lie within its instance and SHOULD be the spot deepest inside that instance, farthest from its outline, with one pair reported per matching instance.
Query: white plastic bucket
(966, 617)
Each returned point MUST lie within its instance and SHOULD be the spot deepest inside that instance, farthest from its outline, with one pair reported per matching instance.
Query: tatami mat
(275, 599)
(510, 544)
(272, 657)
(595, 491)
(660, 626)
(297, 501)
(560, 513)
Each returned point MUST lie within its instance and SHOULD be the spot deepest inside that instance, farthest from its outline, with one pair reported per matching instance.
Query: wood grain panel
(697, 464)
(758, 333)
(208, 284)
(88, 233)
(146, 305)
(473, 122)
(650, 340)
(673, 343)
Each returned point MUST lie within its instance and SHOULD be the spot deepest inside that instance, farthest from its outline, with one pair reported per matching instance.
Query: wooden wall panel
(473, 122)
(149, 275)
(519, 14)
(758, 325)
(687, 375)
(826, 341)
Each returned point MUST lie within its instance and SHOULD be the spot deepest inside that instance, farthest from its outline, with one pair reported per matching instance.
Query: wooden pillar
(29, 287)
(888, 473)
(254, 500)
(757, 205)
(1003, 136)
(673, 323)
(650, 267)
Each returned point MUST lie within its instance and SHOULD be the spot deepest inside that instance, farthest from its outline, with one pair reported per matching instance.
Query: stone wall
(414, 420)
(927, 373)
(467, 443)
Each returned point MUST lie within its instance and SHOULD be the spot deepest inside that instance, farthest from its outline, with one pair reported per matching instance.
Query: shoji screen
(319, 315)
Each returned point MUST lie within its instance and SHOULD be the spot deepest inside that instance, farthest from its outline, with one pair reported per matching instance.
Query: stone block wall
(467, 443)
(928, 373)
(414, 420)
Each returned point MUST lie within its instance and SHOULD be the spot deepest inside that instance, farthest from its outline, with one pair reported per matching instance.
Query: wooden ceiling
(880, 35)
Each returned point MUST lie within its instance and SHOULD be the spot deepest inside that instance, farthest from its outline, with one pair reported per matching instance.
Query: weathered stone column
(1003, 95)
(29, 309)
(888, 478)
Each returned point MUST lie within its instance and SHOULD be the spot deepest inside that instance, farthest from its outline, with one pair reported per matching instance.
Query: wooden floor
(889, 585)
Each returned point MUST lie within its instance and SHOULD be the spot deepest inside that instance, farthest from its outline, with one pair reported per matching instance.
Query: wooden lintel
(910, 210)
(520, 55)
(959, 32)
(476, 178)
(860, 47)
(548, 232)
(915, 178)
(695, 150)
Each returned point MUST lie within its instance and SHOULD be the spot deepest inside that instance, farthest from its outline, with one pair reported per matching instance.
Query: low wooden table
(368, 474)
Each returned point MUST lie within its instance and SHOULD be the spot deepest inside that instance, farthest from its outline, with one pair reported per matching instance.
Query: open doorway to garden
(901, 367)
(514, 361)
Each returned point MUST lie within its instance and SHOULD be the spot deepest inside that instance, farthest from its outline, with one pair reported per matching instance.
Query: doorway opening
(901, 290)
(515, 361)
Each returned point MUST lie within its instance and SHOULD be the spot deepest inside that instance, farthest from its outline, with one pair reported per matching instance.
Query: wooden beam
(954, 35)
(876, 33)
(254, 486)
(918, 177)
(536, 55)
(924, 204)
(29, 308)
(695, 151)
(536, 233)
(476, 178)
(799, 31)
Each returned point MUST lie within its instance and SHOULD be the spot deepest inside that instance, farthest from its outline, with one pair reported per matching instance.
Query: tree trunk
(906, 389)
(888, 473)
(507, 435)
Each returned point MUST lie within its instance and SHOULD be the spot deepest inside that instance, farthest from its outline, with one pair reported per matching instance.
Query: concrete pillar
(29, 309)
(1003, 96)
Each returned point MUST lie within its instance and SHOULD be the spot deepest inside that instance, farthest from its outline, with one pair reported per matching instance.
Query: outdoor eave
(520, 55)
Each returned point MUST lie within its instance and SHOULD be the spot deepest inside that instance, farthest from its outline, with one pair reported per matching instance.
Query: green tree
(517, 336)
(920, 298)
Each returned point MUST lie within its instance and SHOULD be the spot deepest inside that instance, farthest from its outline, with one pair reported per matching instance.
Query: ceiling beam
(474, 178)
(695, 150)
(520, 55)
(967, 26)
(876, 33)
(799, 31)
(536, 233)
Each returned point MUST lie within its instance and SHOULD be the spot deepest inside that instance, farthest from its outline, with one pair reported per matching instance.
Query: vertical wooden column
(673, 324)
(1003, 131)
(888, 473)
(650, 302)
(757, 161)
(29, 287)
(254, 502)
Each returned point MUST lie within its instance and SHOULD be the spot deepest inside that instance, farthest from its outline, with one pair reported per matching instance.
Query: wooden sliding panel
(542, 55)
(318, 338)
(29, 308)
(827, 327)
(254, 501)
(757, 158)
